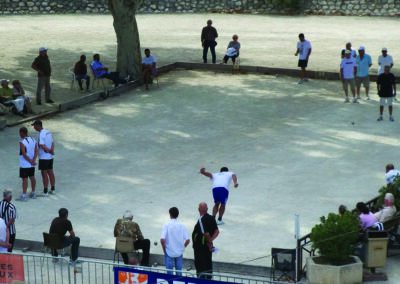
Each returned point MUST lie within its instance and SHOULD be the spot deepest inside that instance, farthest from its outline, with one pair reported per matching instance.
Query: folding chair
(123, 245)
(283, 264)
(74, 82)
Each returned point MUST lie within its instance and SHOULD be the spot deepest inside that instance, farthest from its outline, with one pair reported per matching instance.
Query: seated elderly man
(7, 98)
(125, 227)
(100, 71)
(148, 67)
(388, 210)
(232, 50)
(391, 173)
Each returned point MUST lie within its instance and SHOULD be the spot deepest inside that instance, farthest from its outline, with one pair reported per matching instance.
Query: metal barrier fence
(44, 269)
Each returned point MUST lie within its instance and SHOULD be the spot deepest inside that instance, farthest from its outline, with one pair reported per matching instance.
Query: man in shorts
(46, 152)
(386, 85)
(303, 51)
(28, 152)
(220, 189)
(348, 71)
(364, 62)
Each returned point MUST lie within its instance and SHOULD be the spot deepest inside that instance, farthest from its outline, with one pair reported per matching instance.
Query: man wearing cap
(125, 227)
(28, 152)
(46, 152)
(304, 51)
(388, 210)
(208, 36)
(348, 71)
(386, 85)
(364, 62)
(384, 60)
(42, 66)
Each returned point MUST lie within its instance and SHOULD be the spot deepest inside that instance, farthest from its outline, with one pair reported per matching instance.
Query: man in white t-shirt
(148, 67)
(28, 152)
(348, 71)
(384, 60)
(391, 173)
(174, 240)
(4, 236)
(46, 152)
(220, 188)
(303, 51)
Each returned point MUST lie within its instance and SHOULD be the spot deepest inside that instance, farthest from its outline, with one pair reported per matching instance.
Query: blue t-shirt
(363, 65)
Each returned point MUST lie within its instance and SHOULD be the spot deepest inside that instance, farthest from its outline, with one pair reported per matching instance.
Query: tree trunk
(128, 43)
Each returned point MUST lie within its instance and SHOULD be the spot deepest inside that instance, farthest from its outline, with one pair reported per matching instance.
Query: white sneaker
(391, 118)
(355, 101)
(22, 197)
(358, 98)
(220, 222)
(346, 100)
(32, 195)
(368, 98)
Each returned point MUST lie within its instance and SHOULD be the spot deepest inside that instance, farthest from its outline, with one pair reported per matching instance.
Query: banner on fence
(124, 275)
(11, 268)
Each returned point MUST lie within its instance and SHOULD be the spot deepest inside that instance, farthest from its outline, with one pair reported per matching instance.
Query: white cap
(128, 214)
(42, 49)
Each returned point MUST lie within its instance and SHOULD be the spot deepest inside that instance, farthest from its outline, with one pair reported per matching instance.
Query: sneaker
(305, 79)
(52, 192)
(355, 101)
(22, 197)
(32, 195)
(220, 222)
(346, 100)
(50, 101)
(358, 98)
(391, 118)
(300, 82)
(380, 118)
(45, 194)
(368, 98)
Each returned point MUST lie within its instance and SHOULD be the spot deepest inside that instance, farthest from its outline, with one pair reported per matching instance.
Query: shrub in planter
(335, 238)
(393, 188)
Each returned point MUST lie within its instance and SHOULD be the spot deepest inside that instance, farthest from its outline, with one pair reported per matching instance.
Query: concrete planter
(330, 274)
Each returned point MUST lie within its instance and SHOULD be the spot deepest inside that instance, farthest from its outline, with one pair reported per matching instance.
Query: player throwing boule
(220, 188)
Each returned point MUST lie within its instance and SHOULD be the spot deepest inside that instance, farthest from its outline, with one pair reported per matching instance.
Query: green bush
(393, 188)
(291, 4)
(336, 236)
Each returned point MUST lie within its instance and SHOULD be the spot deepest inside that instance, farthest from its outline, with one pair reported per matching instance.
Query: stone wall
(319, 7)
(353, 7)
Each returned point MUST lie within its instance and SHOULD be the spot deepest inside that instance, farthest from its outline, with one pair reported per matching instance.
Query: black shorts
(45, 165)
(302, 63)
(26, 172)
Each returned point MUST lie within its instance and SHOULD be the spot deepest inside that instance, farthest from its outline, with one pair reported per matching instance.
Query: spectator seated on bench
(148, 67)
(100, 71)
(80, 71)
(7, 99)
(367, 218)
(232, 50)
(19, 94)
(388, 210)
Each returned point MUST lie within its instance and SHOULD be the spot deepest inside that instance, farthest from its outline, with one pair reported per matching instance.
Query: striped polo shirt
(7, 212)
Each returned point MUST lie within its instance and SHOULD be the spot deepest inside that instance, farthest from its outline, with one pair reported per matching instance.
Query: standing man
(42, 66)
(348, 71)
(220, 189)
(303, 51)
(204, 233)
(174, 240)
(353, 53)
(386, 84)
(4, 237)
(46, 152)
(208, 36)
(384, 60)
(28, 152)
(125, 227)
(60, 226)
(8, 213)
(364, 62)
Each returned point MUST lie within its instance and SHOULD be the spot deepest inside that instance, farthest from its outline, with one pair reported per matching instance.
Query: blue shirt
(363, 65)
(96, 68)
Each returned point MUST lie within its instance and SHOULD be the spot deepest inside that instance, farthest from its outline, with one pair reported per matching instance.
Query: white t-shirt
(149, 60)
(45, 138)
(384, 61)
(175, 235)
(30, 146)
(222, 179)
(391, 175)
(348, 65)
(304, 47)
(3, 234)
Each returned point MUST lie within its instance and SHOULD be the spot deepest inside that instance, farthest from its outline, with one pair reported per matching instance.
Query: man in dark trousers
(80, 71)
(386, 84)
(42, 66)
(208, 36)
(60, 226)
(204, 233)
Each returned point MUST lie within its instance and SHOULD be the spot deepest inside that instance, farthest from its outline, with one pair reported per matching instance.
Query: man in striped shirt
(8, 212)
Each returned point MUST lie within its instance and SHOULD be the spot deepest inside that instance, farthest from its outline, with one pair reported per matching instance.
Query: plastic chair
(123, 245)
(96, 80)
(283, 264)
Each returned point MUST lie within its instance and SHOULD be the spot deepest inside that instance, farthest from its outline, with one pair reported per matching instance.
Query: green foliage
(291, 4)
(336, 236)
(393, 188)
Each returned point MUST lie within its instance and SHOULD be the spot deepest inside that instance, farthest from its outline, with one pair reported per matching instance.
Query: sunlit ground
(293, 147)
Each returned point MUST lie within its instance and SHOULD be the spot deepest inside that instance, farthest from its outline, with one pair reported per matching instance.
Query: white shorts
(386, 101)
